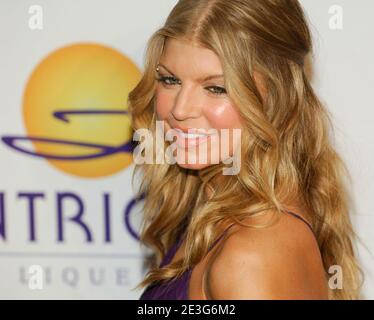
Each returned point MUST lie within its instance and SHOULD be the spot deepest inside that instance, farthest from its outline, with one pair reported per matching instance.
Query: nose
(187, 104)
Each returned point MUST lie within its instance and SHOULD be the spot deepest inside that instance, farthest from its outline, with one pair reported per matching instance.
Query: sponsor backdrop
(68, 221)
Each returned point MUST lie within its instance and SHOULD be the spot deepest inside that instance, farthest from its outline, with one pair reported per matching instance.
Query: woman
(274, 228)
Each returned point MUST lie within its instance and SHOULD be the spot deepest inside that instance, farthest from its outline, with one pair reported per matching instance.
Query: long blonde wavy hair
(286, 145)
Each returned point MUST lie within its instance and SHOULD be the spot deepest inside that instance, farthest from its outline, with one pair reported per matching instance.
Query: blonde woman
(273, 229)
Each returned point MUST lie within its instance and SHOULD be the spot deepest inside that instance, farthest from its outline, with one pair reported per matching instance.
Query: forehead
(184, 57)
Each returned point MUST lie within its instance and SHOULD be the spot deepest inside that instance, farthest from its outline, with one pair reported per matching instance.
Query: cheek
(163, 105)
(223, 115)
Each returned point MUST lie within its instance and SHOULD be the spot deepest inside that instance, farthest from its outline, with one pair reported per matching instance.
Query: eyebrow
(201, 79)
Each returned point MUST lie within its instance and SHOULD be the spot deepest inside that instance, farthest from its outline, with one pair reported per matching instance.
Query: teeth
(192, 135)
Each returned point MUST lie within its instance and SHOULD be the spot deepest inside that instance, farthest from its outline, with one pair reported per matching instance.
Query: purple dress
(177, 289)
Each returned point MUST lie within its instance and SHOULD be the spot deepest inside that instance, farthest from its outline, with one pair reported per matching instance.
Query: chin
(193, 166)
(190, 160)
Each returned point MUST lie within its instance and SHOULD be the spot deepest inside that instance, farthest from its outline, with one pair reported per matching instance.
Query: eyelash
(163, 79)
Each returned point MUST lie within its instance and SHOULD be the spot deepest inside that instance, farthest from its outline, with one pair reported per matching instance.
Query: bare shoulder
(281, 261)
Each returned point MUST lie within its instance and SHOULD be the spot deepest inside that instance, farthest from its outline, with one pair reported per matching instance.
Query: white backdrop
(76, 268)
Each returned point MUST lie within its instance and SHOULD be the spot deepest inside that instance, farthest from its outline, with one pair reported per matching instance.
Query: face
(190, 94)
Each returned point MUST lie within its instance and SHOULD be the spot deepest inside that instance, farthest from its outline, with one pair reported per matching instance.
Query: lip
(183, 142)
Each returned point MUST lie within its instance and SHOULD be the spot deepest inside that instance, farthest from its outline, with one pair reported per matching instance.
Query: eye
(216, 90)
(168, 80)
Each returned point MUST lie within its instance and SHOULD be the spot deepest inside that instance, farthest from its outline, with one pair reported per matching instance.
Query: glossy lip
(183, 142)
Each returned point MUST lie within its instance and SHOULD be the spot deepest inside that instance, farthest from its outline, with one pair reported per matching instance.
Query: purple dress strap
(175, 289)
(302, 219)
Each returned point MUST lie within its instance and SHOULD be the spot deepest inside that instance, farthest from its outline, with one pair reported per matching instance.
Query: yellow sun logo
(75, 110)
